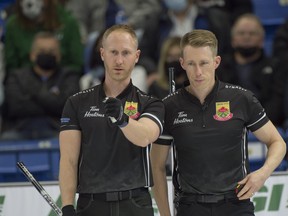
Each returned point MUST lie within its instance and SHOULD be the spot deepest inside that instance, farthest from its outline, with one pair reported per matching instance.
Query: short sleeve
(257, 116)
(69, 120)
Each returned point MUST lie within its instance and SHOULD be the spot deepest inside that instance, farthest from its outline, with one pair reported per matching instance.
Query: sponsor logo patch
(131, 109)
(223, 111)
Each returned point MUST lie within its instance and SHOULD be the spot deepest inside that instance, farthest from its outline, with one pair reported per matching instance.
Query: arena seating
(272, 13)
(41, 157)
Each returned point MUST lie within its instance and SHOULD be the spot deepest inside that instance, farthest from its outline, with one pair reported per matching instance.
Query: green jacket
(18, 42)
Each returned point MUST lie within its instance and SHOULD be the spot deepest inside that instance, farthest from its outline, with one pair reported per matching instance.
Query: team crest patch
(131, 109)
(223, 111)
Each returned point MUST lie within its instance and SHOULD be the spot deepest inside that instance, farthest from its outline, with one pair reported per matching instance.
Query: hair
(43, 35)
(200, 38)
(50, 20)
(166, 46)
(248, 16)
(121, 28)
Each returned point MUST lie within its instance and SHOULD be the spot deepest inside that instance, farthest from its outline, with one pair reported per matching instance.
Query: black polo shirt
(210, 139)
(108, 161)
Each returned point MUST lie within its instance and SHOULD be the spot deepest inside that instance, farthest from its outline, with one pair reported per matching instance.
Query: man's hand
(68, 210)
(251, 184)
(114, 110)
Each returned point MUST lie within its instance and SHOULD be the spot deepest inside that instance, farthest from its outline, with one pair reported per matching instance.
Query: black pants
(136, 206)
(221, 208)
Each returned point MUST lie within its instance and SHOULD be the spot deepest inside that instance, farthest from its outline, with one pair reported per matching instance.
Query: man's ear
(217, 61)
(101, 53)
(181, 60)
(138, 52)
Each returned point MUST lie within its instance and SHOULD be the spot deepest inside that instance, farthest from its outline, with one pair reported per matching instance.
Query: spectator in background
(169, 58)
(248, 66)
(220, 15)
(97, 15)
(177, 18)
(181, 16)
(35, 96)
(33, 16)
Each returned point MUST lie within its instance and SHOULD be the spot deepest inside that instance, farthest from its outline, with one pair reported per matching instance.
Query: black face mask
(46, 61)
(178, 70)
(247, 52)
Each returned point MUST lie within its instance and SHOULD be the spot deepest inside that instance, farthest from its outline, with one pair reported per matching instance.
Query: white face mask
(32, 8)
(176, 5)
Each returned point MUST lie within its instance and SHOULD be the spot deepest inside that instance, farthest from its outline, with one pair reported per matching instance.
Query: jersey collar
(209, 97)
(123, 94)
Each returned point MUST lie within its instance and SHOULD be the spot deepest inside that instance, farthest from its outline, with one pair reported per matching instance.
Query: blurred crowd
(49, 50)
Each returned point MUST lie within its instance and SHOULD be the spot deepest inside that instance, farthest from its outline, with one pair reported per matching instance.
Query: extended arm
(142, 132)
(159, 154)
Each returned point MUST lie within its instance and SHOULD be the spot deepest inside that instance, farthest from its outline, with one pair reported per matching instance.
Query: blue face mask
(176, 5)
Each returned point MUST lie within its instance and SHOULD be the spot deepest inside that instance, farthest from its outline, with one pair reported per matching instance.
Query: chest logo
(93, 112)
(182, 118)
(131, 109)
(223, 111)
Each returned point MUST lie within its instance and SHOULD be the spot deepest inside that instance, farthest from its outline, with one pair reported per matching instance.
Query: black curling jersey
(210, 139)
(108, 161)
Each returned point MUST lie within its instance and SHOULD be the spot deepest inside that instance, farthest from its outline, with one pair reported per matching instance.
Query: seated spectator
(234, 8)
(179, 17)
(96, 16)
(33, 16)
(35, 96)
(248, 66)
(220, 15)
(169, 58)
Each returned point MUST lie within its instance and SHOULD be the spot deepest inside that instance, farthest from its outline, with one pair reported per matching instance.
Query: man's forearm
(68, 184)
(142, 132)
(275, 155)
(160, 192)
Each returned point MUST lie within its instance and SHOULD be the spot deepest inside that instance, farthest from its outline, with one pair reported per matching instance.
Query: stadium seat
(8, 168)
(272, 14)
(38, 163)
(41, 157)
(8, 163)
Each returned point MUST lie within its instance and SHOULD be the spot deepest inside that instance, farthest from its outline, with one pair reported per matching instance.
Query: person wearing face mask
(35, 95)
(249, 66)
(169, 58)
(33, 16)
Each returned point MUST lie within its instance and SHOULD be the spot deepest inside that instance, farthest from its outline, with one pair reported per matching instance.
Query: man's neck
(202, 93)
(113, 88)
